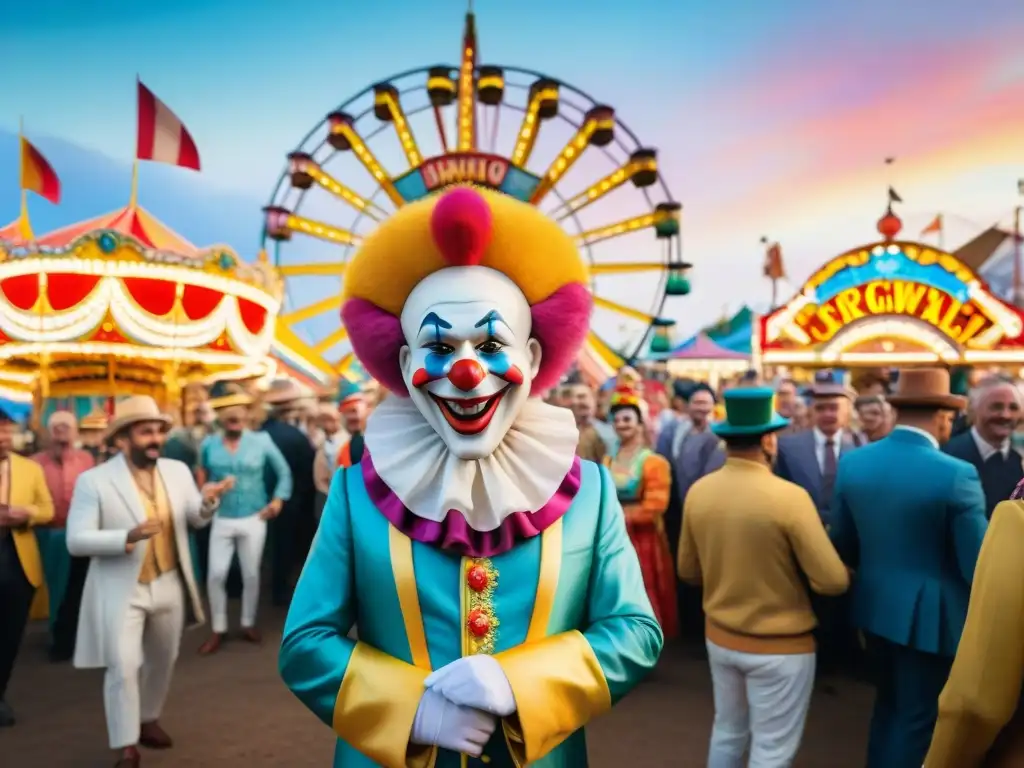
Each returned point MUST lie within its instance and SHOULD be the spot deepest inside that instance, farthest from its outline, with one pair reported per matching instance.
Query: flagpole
(134, 199)
(24, 223)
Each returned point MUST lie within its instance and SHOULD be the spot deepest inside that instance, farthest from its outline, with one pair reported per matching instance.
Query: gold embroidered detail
(481, 578)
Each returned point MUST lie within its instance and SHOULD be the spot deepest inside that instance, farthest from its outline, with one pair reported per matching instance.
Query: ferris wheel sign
(487, 170)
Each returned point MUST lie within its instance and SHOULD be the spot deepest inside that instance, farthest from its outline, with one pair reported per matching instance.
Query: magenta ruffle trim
(454, 533)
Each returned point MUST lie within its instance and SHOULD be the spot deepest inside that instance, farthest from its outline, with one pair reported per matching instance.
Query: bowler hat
(926, 388)
(136, 410)
(749, 411)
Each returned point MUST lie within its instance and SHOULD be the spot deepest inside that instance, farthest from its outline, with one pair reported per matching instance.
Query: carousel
(120, 304)
(893, 303)
(513, 129)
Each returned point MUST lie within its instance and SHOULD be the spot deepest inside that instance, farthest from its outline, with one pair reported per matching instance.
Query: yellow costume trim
(376, 706)
(404, 574)
(559, 687)
(547, 583)
(544, 602)
(527, 246)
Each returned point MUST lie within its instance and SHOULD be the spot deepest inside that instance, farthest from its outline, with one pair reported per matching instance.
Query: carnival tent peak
(12, 234)
(132, 220)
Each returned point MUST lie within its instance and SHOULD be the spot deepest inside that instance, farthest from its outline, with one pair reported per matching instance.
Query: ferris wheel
(515, 130)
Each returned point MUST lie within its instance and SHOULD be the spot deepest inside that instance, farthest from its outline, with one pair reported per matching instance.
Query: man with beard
(62, 465)
(130, 515)
(501, 606)
(292, 530)
(995, 409)
(244, 459)
(583, 404)
(24, 503)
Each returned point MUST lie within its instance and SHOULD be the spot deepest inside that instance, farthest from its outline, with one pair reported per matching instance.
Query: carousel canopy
(123, 303)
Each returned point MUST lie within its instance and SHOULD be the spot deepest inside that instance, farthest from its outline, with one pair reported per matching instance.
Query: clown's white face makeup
(469, 360)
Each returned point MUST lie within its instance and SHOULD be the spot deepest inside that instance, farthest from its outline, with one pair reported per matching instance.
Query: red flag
(934, 227)
(37, 175)
(162, 137)
(773, 267)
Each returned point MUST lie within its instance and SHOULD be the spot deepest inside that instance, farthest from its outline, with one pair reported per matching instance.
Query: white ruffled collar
(522, 474)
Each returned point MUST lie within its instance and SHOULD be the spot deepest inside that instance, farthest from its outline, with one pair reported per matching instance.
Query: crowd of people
(261, 465)
(816, 532)
(485, 572)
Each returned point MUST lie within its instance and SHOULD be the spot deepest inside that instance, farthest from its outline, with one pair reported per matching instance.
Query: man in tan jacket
(750, 538)
(980, 719)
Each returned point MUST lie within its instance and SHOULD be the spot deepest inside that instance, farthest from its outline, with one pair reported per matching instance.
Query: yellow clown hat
(466, 227)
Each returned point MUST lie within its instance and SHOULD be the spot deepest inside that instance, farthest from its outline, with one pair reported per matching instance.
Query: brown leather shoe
(212, 645)
(252, 635)
(130, 758)
(153, 736)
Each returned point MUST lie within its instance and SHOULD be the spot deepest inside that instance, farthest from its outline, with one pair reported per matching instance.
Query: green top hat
(749, 411)
(224, 394)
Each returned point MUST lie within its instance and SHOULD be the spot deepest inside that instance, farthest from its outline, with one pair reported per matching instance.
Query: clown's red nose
(466, 374)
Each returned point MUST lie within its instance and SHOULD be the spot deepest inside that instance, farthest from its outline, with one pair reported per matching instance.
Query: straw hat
(283, 391)
(227, 394)
(926, 388)
(96, 420)
(136, 410)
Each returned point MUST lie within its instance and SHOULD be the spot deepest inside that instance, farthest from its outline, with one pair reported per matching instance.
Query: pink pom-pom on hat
(462, 226)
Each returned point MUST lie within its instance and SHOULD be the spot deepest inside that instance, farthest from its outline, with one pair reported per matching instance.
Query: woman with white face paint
(500, 603)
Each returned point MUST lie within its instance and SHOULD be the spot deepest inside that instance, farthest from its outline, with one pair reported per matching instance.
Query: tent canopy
(701, 347)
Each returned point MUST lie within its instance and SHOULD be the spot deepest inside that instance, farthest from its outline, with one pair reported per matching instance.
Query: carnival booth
(893, 303)
(121, 305)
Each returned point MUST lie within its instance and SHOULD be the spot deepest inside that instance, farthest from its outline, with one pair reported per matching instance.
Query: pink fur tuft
(462, 226)
(560, 324)
(377, 341)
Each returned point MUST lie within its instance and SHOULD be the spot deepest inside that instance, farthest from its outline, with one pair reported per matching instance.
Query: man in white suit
(131, 517)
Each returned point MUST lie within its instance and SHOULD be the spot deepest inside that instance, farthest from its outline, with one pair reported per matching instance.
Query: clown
(500, 604)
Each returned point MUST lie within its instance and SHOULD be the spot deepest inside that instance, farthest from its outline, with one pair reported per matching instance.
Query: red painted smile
(469, 416)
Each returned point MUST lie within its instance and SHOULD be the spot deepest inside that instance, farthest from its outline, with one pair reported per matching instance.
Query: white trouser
(228, 535)
(760, 700)
(135, 686)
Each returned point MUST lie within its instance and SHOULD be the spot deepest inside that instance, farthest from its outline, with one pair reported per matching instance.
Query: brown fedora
(926, 388)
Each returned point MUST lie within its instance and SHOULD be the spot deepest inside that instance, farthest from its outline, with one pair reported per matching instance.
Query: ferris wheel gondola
(600, 181)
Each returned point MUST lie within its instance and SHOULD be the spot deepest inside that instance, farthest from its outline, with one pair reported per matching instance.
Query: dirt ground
(233, 710)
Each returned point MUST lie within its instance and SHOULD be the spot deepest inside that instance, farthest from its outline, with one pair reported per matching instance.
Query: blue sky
(770, 118)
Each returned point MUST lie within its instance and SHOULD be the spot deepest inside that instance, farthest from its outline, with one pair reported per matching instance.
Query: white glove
(475, 681)
(449, 726)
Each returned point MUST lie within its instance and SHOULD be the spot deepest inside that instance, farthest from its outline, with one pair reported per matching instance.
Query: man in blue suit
(909, 520)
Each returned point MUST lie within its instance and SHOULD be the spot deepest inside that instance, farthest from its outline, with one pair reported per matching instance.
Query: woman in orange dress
(643, 480)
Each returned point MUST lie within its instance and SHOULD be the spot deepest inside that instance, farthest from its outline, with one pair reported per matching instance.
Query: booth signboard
(891, 304)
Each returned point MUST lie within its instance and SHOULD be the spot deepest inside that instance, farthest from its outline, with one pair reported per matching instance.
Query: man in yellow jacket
(24, 502)
(980, 719)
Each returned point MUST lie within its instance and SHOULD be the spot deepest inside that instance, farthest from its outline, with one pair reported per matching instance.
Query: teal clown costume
(499, 603)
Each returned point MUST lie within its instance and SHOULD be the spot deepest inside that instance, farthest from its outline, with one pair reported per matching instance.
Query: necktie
(828, 473)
